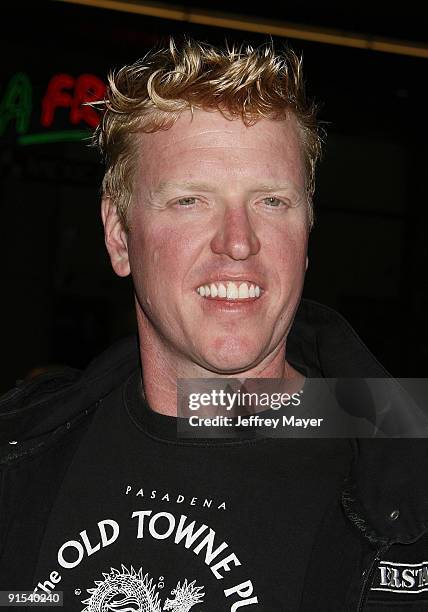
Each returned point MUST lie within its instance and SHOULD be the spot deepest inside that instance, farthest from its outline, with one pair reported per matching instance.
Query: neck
(162, 365)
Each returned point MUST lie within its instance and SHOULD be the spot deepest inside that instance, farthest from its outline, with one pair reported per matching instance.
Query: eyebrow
(165, 186)
(276, 187)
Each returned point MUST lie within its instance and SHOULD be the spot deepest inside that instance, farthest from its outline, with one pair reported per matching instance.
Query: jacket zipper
(369, 575)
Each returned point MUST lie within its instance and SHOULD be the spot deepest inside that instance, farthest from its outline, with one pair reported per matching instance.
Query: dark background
(60, 301)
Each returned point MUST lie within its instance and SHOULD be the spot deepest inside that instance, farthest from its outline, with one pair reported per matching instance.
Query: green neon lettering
(16, 103)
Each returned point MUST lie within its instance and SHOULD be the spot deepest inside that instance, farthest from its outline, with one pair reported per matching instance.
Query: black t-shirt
(147, 521)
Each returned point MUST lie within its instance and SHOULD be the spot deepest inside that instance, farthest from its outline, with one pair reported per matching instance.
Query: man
(210, 158)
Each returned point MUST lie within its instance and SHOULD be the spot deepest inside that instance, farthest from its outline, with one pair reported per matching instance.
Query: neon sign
(86, 88)
(63, 92)
(16, 103)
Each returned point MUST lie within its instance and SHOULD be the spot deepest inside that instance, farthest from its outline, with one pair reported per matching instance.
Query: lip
(230, 305)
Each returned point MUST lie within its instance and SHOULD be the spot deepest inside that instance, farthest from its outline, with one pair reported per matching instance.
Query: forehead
(208, 143)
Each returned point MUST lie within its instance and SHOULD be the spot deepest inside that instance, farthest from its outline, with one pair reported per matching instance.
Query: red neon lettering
(56, 97)
(88, 88)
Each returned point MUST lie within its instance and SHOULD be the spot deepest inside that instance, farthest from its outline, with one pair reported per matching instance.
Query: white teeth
(230, 290)
(243, 290)
(221, 291)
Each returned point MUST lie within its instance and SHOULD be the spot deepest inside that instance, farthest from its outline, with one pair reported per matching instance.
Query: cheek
(287, 250)
(159, 255)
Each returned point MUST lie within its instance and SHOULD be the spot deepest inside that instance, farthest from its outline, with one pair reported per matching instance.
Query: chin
(230, 360)
(232, 369)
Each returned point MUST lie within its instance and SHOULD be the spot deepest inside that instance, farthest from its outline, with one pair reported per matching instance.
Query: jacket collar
(384, 496)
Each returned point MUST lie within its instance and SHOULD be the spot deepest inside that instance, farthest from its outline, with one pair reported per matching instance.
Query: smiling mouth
(229, 290)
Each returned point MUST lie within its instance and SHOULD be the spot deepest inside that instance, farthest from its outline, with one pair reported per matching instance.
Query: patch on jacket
(401, 577)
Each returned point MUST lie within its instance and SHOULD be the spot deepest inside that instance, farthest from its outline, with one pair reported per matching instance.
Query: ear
(115, 237)
(307, 262)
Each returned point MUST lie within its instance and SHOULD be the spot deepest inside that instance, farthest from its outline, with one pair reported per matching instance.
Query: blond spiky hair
(240, 82)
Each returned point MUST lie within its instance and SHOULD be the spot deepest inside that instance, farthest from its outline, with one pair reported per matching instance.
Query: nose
(235, 236)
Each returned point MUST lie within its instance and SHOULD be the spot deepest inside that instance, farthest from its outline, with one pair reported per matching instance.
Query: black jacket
(383, 511)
